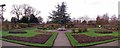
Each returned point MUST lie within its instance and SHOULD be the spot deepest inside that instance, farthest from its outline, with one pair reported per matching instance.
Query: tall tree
(60, 15)
(28, 10)
(33, 19)
(17, 10)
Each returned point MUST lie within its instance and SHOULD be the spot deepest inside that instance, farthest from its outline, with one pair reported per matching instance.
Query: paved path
(114, 43)
(62, 39)
(4, 43)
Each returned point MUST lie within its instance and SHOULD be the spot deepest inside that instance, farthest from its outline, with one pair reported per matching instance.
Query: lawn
(91, 33)
(30, 33)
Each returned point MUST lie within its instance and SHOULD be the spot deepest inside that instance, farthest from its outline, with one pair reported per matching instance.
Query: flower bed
(87, 39)
(41, 38)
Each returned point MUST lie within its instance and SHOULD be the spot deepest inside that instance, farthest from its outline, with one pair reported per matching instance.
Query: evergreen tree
(13, 19)
(60, 16)
(24, 19)
(33, 19)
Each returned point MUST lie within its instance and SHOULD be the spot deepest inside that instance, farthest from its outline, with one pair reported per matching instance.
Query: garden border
(75, 43)
(49, 42)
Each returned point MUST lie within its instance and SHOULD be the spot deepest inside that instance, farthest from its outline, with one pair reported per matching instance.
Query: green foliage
(71, 39)
(33, 19)
(60, 16)
(43, 28)
(24, 19)
(13, 20)
(79, 30)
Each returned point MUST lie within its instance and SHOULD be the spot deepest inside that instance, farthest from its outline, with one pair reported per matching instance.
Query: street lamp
(2, 5)
(2, 10)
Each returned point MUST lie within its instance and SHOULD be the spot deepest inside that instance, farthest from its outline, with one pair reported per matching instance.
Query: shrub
(17, 32)
(79, 30)
(103, 31)
(40, 28)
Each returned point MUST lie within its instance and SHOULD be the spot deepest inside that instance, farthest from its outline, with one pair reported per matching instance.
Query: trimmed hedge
(79, 30)
(103, 31)
(45, 28)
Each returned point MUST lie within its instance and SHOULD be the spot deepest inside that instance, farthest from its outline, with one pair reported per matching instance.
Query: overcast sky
(77, 8)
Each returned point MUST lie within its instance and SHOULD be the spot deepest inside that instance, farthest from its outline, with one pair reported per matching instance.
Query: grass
(90, 32)
(71, 39)
(49, 43)
(29, 33)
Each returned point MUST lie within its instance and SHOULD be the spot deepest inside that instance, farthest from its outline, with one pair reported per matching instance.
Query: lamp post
(2, 10)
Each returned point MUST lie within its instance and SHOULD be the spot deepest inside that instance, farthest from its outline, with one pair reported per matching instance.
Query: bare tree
(17, 10)
(40, 19)
(28, 10)
(113, 20)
